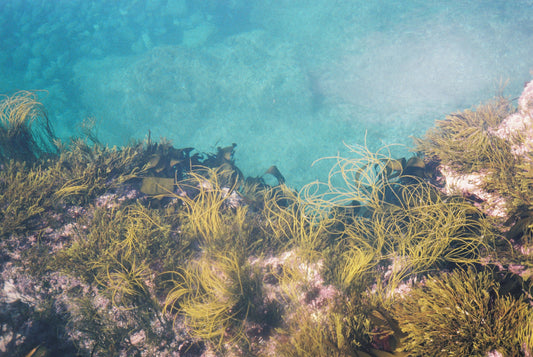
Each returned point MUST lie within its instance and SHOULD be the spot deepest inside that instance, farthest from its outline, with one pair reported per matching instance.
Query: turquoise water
(289, 81)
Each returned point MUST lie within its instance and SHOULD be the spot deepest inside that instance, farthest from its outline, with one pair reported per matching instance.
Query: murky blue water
(289, 80)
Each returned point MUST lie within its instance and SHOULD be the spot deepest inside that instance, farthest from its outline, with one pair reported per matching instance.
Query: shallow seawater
(289, 81)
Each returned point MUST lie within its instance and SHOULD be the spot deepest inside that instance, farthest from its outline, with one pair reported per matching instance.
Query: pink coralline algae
(520, 123)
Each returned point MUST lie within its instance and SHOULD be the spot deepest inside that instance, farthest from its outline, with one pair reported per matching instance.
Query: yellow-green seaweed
(215, 294)
(464, 140)
(397, 220)
(463, 314)
(26, 193)
(25, 131)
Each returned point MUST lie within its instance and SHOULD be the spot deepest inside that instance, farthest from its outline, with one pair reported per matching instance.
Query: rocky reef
(153, 250)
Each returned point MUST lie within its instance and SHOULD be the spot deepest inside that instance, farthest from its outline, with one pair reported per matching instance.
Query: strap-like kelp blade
(154, 186)
(274, 171)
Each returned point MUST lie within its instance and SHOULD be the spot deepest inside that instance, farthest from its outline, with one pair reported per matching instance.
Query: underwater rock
(471, 186)
(520, 123)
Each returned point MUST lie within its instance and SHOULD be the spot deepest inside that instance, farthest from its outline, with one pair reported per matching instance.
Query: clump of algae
(464, 314)
(466, 140)
(25, 131)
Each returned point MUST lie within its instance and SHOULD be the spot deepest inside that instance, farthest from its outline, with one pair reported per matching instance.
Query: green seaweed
(393, 219)
(209, 217)
(292, 224)
(26, 194)
(334, 335)
(122, 237)
(467, 142)
(100, 335)
(215, 294)
(464, 140)
(122, 251)
(463, 314)
(127, 284)
(86, 171)
(25, 131)
(345, 327)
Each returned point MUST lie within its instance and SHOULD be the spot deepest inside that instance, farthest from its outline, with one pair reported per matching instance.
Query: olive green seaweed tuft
(463, 314)
(26, 194)
(344, 331)
(464, 140)
(86, 171)
(25, 131)
(215, 294)
(295, 224)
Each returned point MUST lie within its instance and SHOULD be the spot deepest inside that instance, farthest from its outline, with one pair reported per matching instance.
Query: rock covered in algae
(517, 130)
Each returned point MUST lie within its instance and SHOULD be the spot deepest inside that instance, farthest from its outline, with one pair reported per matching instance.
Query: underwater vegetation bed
(153, 250)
